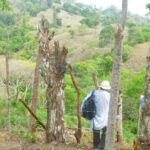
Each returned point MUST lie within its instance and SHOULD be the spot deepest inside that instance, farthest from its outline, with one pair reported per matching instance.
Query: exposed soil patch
(138, 58)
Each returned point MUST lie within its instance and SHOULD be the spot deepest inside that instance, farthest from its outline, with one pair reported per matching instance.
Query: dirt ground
(138, 58)
(10, 141)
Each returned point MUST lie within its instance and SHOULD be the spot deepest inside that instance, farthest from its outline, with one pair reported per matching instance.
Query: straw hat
(105, 85)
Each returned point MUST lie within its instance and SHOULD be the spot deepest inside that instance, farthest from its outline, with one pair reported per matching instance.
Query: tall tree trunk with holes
(7, 91)
(55, 94)
(146, 110)
(53, 69)
(35, 92)
(111, 129)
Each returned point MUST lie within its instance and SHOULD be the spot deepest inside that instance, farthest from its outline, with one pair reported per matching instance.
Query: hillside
(138, 57)
(88, 34)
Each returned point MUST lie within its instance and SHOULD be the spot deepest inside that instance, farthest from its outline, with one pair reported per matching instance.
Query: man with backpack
(99, 119)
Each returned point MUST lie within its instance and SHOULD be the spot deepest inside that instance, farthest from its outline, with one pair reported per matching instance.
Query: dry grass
(138, 59)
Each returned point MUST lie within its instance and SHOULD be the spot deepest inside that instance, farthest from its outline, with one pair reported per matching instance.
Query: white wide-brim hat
(105, 85)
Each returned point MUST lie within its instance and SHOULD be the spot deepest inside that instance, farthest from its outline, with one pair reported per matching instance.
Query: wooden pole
(30, 111)
(7, 91)
(95, 80)
(78, 133)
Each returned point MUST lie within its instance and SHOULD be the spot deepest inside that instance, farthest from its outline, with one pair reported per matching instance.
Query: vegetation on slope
(18, 37)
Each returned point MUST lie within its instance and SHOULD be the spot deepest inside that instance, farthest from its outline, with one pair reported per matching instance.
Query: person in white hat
(99, 122)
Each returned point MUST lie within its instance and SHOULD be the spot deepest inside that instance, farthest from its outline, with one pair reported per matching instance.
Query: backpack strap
(92, 94)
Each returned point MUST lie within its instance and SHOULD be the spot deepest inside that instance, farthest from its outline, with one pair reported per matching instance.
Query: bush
(105, 63)
(91, 21)
(126, 52)
(146, 33)
(72, 33)
(138, 35)
(82, 29)
(106, 36)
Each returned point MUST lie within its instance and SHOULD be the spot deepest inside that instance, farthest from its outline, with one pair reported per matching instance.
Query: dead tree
(78, 133)
(35, 87)
(111, 130)
(146, 110)
(7, 90)
(53, 70)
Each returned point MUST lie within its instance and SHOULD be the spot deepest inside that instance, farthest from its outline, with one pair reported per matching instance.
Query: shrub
(91, 21)
(138, 35)
(106, 36)
(82, 29)
(72, 33)
(105, 63)
(126, 52)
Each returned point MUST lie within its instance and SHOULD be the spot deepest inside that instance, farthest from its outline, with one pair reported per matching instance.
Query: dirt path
(138, 58)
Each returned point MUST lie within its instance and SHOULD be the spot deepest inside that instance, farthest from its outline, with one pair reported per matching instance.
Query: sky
(134, 6)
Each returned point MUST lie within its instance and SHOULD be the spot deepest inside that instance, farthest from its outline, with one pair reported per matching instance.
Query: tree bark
(8, 92)
(111, 129)
(55, 94)
(78, 133)
(53, 69)
(119, 121)
(146, 110)
(34, 98)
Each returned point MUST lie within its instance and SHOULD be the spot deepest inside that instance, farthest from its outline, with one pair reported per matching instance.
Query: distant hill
(76, 25)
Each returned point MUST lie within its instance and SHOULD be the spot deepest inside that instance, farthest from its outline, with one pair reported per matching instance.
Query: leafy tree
(106, 36)
(7, 21)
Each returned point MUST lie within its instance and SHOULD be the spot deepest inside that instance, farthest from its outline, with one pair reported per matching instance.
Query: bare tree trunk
(35, 93)
(78, 133)
(146, 110)
(53, 69)
(111, 129)
(8, 92)
(136, 144)
(55, 95)
(119, 121)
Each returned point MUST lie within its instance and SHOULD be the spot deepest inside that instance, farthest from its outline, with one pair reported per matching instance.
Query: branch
(30, 111)
(78, 133)
(95, 80)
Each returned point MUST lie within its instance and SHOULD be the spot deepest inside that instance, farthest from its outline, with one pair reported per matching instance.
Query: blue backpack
(89, 108)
